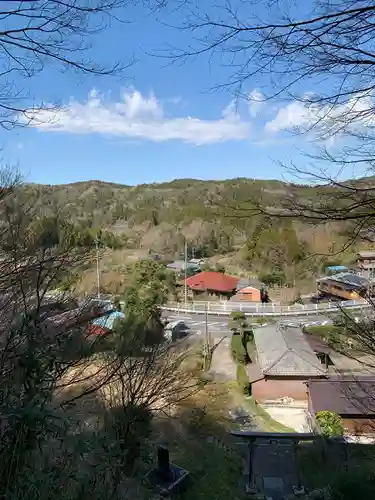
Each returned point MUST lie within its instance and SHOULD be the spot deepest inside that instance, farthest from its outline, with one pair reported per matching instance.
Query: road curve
(273, 310)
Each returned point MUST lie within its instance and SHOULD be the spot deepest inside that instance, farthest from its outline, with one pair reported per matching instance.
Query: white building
(366, 263)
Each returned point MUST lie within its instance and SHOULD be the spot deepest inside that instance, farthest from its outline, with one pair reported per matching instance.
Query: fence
(256, 309)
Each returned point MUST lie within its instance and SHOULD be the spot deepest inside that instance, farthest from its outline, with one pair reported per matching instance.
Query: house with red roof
(212, 282)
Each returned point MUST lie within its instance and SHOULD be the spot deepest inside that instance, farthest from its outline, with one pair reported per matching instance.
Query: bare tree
(150, 381)
(48, 364)
(34, 35)
(321, 56)
(35, 338)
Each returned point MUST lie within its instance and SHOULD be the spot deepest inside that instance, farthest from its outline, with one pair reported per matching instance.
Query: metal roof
(108, 321)
(249, 282)
(345, 396)
(285, 352)
(366, 254)
(349, 279)
(337, 268)
(180, 265)
(177, 264)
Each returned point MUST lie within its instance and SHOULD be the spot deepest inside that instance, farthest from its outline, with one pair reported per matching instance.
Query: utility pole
(207, 342)
(96, 241)
(207, 335)
(185, 265)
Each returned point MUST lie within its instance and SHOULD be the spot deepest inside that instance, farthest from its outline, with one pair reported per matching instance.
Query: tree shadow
(198, 441)
(204, 446)
(344, 467)
(98, 459)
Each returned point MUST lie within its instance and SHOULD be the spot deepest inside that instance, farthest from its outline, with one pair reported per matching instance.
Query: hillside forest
(153, 220)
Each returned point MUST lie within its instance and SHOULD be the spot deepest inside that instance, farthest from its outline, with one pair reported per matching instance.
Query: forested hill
(158, 217)
(97, 203)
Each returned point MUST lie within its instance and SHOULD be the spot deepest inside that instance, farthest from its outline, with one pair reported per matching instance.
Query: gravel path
(274, 465)
(222, 365)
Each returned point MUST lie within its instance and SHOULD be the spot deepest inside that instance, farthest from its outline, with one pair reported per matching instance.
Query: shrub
(248, 336)
(261, 321)
(131, 425)
(237, 315)
(330, 423)
(298, 299)
(243, 380)
(239, 353)
(324, 331)
(238, 323)
(236, 320)
(359, 483)
(273, 279)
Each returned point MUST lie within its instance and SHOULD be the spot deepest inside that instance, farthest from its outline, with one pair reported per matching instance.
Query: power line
(97, 242)
(185, 269)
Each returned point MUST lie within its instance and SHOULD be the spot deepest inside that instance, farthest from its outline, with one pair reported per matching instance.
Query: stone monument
(166, 477)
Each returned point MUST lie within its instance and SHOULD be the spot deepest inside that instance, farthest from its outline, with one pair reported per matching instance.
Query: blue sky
(158, 123)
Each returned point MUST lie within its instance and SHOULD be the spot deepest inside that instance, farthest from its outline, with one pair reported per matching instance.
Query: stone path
(243, 418)
(222, 365)
(275, 469)
(273, 463)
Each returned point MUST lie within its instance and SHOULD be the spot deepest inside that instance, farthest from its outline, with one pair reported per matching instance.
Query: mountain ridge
(158, 218)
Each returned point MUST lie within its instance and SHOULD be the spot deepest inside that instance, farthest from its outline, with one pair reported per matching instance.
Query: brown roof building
(350, 397)
(285, 361)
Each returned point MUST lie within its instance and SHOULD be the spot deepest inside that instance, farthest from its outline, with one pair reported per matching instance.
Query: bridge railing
(258, 309)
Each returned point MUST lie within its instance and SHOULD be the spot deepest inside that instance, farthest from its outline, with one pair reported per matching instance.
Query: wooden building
(344, 286)
(353, 398)
(366, 263)
(284, 362)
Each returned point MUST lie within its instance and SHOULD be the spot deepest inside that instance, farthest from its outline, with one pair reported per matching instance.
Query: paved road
(218, 326)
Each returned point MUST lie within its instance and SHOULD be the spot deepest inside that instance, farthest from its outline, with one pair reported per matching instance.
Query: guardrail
(225, 308)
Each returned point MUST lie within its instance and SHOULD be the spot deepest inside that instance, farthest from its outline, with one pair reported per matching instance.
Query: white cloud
(138, 117)
(328, 120)
(256, 102)
(293, 115)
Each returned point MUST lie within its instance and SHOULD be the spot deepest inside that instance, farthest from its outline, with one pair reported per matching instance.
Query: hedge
(239, 353)
(243, 380)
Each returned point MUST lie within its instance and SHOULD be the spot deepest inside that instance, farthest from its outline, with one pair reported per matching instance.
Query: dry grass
(112, 271)
(198, 438)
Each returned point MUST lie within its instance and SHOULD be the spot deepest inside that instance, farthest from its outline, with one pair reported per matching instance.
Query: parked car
(316, 299)
(105, 304)
(322, 322)
(176, 330)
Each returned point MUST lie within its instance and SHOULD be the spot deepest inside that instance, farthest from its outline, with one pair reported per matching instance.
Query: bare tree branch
(44, 33)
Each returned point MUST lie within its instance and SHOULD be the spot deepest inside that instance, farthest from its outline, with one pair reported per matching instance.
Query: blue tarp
(336, 268)
(108, 320)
